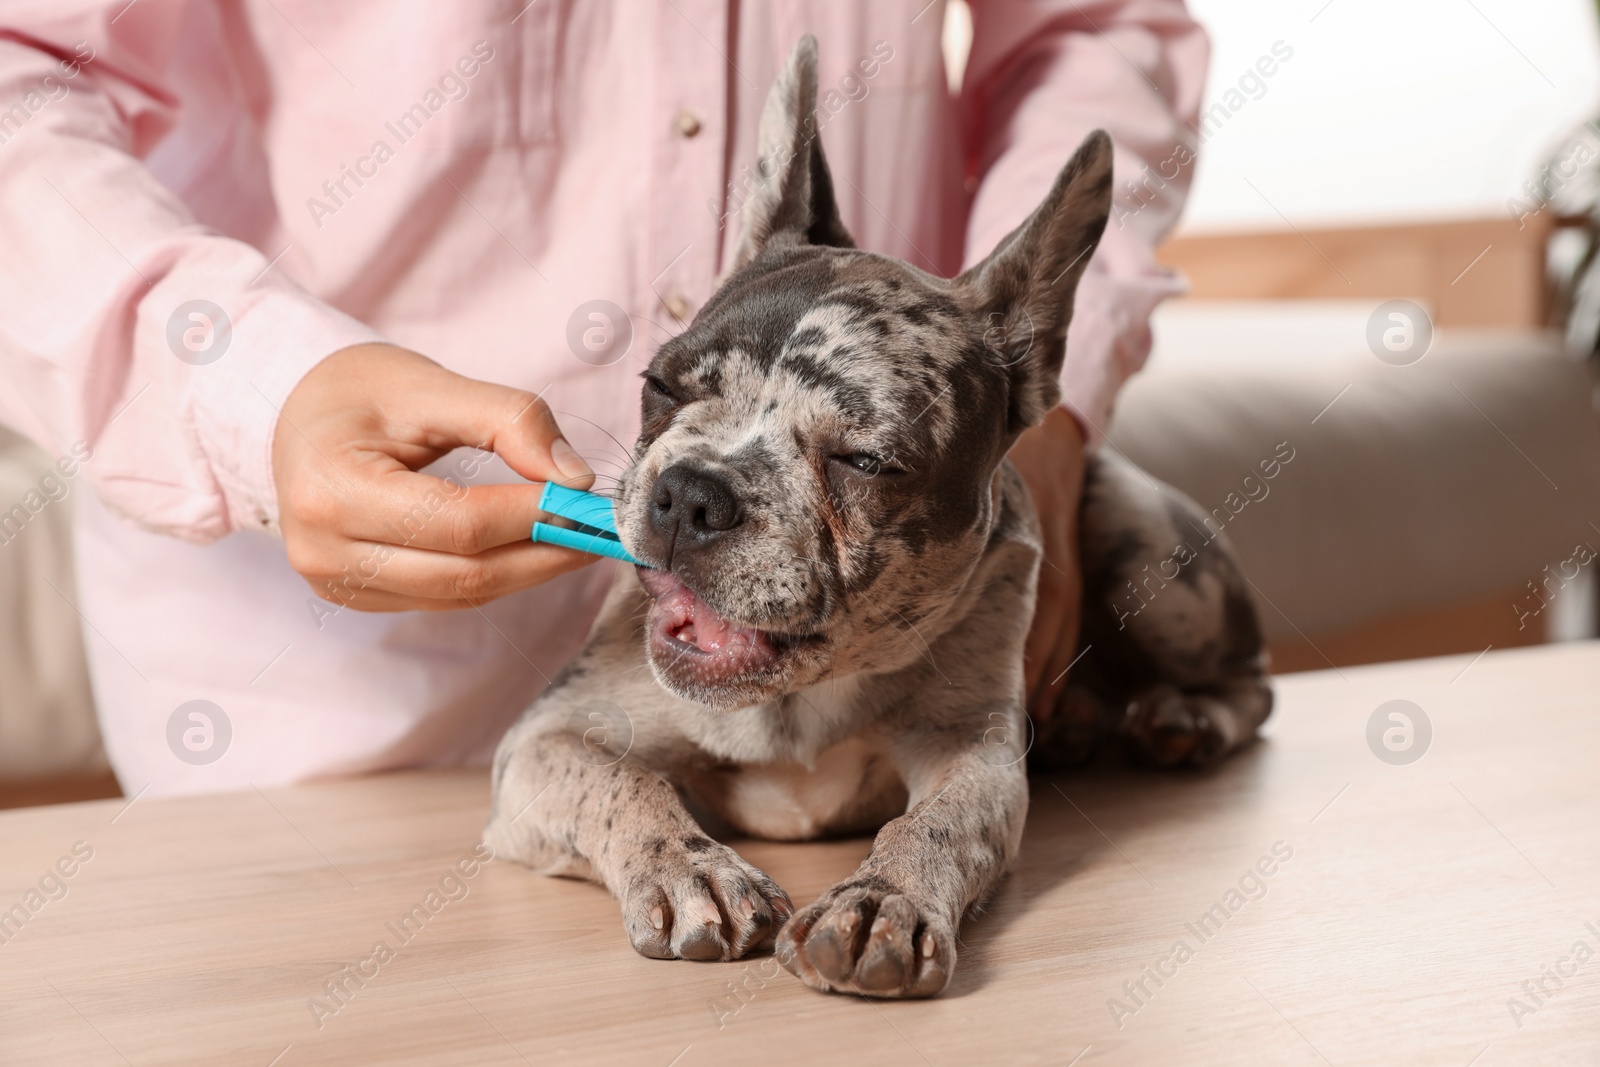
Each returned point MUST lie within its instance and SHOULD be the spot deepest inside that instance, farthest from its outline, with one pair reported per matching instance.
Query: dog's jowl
(840, 570)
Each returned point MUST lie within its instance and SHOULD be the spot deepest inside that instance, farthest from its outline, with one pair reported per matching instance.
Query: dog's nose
(692, 507)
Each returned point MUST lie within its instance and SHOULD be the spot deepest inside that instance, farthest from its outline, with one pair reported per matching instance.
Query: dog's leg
(1160, 723)
(561, 809)
(1174, 665)
(889, 930)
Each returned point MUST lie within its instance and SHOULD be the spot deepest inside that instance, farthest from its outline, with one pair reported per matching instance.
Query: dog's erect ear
(1024, 290)
(791, 199)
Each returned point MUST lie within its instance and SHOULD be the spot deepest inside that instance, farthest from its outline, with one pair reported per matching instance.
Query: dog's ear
(1024, 290)
(791, 199)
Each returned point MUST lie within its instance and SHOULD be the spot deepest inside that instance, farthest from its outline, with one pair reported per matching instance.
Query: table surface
(1416, 903)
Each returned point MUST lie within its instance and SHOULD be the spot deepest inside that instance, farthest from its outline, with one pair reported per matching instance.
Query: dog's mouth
(690, 638)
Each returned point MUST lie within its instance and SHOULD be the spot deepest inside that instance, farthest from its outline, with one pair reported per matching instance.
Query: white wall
(1388, 109)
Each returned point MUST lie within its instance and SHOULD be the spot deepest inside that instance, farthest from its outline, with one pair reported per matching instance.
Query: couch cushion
(1420, 486)
(47, 722)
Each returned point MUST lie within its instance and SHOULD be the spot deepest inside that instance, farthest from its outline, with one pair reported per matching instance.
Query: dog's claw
(702, 944)
(869, 941)
(703, 904)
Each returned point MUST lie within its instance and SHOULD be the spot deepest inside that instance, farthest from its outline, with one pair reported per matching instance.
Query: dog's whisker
(622, 449)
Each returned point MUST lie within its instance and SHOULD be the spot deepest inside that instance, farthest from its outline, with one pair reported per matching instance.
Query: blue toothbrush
(593, 513)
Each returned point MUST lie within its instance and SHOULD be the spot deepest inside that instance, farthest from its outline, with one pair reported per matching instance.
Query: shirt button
(678, 307)
(687, 123)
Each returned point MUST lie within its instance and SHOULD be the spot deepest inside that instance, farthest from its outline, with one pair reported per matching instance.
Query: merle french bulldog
(840, 570)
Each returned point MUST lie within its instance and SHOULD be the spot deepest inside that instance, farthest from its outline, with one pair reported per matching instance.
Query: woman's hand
(367, 531)
(1050, 459)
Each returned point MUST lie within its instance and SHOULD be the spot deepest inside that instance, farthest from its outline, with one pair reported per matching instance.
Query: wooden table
(1417, 901)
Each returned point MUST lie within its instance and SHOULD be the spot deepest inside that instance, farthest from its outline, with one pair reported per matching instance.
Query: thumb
(515, 424)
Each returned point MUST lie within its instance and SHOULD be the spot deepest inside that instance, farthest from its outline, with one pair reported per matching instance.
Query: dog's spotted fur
(842, 420)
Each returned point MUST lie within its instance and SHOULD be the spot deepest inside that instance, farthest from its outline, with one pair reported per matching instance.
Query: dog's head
(815, 475)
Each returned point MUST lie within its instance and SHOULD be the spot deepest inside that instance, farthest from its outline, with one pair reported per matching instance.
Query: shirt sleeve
(127, 329)
(1040, 76)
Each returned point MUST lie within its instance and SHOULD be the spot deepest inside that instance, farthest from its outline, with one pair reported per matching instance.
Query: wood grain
(1416, 902)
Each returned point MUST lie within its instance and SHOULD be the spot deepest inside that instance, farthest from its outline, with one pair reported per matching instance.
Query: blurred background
(1393, 304)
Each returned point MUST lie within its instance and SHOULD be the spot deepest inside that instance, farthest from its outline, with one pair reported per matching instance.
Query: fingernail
(568, 462)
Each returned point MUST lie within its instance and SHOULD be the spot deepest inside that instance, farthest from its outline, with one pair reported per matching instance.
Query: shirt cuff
(235, 403)
(1108, 341)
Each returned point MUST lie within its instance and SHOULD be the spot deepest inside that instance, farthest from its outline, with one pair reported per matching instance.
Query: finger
(336, 597)
(1055, 595)
(1052, 642)
(402, 507)
(1043, 637)
(446, 576)
(1056, 673)
(515, 424)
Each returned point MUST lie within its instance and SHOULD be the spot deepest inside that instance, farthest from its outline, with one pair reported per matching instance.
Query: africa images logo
(453, 85)
(199, 332)
(199, 732)
(1399, 732)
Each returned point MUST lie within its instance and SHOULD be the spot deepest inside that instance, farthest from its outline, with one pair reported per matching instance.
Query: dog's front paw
(1167, 727)
(699, 900)
(873, 940)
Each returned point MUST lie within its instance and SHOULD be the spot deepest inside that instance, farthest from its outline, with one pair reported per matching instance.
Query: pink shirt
(460, 179)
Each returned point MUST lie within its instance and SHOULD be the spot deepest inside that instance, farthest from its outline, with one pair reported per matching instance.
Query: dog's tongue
(689, 620)
(707, 630)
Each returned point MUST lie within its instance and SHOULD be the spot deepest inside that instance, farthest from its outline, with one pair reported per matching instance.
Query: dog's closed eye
(867, 463)
(660, 388)
(658, 405)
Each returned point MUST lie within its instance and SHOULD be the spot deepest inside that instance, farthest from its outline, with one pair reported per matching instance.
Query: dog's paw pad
(1167, 727)
(868, 941)
(704, 903)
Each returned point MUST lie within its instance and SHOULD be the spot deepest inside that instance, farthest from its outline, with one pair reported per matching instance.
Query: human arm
(1040, 77)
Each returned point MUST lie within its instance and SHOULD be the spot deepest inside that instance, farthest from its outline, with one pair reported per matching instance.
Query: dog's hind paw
(698, 899)
(861, 939)
(1168, 727)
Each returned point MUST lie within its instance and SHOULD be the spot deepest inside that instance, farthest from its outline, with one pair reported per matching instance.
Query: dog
(839, 573)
